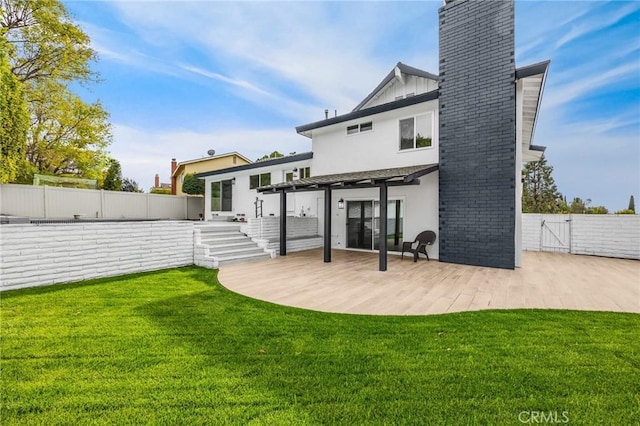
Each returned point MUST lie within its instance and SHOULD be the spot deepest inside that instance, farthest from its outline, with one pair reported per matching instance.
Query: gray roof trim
(533, 69)
(398, 175)
(413, 100)
(530, 71)
(259, 164)
(406, 69)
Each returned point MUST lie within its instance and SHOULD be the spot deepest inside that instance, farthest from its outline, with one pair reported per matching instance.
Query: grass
(174, 347)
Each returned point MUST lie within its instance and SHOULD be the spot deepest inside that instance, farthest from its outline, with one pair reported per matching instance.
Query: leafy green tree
(113, 176)
(14, 121)
(539, 191)
(130, 185)
(47, 52)
(161, 191)
(632, 204)
(597, 210)
(274, 154)
(578, 206)
(192, 185)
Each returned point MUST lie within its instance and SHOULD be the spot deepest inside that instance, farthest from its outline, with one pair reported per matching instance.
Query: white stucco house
(232, 192)
(439, 152)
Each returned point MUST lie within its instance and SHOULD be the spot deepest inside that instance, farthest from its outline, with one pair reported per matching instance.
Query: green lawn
(173, 347)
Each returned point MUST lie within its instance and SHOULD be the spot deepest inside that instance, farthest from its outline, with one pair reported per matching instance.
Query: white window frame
(359, 128)
(414, 117)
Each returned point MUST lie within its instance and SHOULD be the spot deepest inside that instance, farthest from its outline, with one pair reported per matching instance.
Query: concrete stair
(219, 244)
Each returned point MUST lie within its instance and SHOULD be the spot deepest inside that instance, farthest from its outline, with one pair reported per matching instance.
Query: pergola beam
(382, 245)
(283, 223)
(327, 224)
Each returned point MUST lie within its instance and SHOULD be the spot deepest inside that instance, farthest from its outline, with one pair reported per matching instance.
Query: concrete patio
(351, 283)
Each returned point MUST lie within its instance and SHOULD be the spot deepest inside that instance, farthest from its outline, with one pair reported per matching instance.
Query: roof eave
(389, 106)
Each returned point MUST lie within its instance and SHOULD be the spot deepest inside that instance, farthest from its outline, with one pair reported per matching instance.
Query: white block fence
(32, 255)
(591, 234)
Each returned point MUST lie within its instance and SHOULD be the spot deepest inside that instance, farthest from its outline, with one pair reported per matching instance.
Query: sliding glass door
(363, 224)
(221, 196)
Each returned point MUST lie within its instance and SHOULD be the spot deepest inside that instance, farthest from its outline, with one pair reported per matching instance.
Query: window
(262, 179)
(359, 128)
(303, 172)
(221, 196)
(416, 132)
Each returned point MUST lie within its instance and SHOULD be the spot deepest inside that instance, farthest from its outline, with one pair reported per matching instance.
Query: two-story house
(427, 152)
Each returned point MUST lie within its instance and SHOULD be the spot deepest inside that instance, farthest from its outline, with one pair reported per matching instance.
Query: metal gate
(556, 236)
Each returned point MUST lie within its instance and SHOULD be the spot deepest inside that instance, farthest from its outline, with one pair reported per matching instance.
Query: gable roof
(396, 72)
(259, 164)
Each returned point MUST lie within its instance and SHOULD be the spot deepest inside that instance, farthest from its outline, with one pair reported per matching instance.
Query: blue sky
(182, 77)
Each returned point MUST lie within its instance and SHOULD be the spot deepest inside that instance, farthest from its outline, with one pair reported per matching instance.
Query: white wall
(336, 152)
(600, 235)
(34, 255)
(420, 210)
(243, 198)
(51, 202)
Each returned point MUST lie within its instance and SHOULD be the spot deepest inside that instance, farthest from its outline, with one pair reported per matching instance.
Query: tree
(161, 191)
(274, 154)
(539, 191)
(632, 204)
(192, 185)
(578, 206)
(130, 185)
(47, 52)
(597, 210)
(113, 177)
(14, 121)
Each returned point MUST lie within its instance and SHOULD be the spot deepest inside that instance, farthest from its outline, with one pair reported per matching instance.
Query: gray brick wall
(477, 133)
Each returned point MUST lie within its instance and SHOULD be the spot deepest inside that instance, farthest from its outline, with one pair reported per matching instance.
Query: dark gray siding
(477, 133)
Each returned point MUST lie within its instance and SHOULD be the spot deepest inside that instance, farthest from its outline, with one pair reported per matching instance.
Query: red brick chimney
(174, 165)
(157, 181)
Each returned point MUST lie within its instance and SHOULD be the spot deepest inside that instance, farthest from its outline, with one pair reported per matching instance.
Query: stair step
(222, 234)
(225, 260)
(231, 246)
(235, 251)
(227, 228)
(218, 241)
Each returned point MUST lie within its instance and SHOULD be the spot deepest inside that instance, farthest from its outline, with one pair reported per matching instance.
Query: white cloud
(580, 29)
(563, 94)
(143, 153)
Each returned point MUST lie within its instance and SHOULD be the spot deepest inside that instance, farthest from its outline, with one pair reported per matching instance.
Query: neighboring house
(440, 152)
(158, 186)
(215, 162)
(233, 191)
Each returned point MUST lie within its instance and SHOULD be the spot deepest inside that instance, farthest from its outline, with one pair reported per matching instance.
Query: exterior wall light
(341, 203)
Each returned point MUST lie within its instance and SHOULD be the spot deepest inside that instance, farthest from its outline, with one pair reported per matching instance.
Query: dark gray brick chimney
(477, 133)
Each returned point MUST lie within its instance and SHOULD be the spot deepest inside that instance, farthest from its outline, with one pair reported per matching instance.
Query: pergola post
(283, 223)
(327, 224)
(383, 227)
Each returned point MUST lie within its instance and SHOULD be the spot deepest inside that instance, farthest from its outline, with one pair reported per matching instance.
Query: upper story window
(303, 172)
(262, 179)
(359, 128)
(416, 132)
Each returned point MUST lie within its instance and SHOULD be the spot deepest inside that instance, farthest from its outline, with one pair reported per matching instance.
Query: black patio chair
(419, 245)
